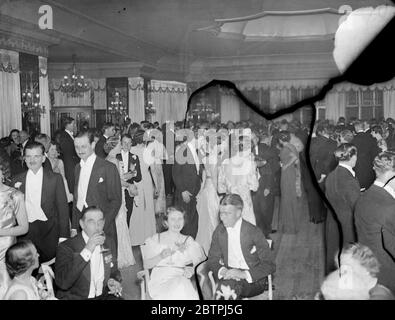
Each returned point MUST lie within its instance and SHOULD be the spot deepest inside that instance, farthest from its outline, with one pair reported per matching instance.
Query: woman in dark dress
(291, 189)
(342, 191)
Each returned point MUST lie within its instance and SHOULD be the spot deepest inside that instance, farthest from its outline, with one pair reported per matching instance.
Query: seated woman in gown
(172, 257)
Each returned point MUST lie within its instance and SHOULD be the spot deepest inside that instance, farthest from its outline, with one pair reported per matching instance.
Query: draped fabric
(230, 107)
(10, 92)
(279, 98)
(45, 123)
(99, 93)
(136, 99)
(63, 100)
(335, 105)
(170, 100)
(389, 103)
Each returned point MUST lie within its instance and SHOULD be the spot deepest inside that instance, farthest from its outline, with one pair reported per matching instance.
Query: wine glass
(103, 249)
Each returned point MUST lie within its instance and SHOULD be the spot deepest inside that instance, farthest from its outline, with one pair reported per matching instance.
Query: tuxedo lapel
(76, 180)
(44, 190)
(93, 180)
(223, 242)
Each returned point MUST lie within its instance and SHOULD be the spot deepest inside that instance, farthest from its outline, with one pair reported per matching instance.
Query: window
(364, 105)
(304, 114)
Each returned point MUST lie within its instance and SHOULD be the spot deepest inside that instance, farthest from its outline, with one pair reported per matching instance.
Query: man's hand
(133, 191)
(166, 253)
(235, 274)
(266, 192)
(96, 240)
(186, 196)
(127, 176)
(188, 272)
(115, 287)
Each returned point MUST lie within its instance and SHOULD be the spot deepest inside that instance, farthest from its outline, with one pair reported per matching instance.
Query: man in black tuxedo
(367, 150)
(68, 154)
(46, 203)
(85, 268)
(268, 163)
(97, 183)
(239, 256)
(46, 142)
(130, 164)
(187, 177)
(323, 161)
(108, 131)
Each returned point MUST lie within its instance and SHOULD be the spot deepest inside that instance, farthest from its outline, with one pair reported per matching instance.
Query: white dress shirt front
(34, 184)
(83, 181)
(125, 160)
(97, 268)
(235, 254)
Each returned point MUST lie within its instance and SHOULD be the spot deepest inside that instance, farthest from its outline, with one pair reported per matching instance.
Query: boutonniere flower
(134, 157)
(18, 185)
(253, 250)
(226, 292)
(101, 180)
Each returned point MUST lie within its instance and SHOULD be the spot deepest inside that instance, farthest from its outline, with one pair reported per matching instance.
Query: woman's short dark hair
(138, 137)
(12, 131)
(232, 199)
(345, 152)
(19, 258)
(169, 210)
(57, 146)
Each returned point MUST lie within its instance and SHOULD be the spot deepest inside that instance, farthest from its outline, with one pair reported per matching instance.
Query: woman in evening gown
(290, 211)
(172, 257)
(13, 220)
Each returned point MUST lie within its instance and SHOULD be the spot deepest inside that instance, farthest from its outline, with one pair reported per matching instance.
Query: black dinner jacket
(104, 191)
(69, 157)
(73, 273)
(53, 199)
(133, 159)
(99, 148)
(254, 246)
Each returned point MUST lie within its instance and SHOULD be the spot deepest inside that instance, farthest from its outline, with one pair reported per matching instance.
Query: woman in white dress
(239, 175)
(125, 253)
(142, 222)
(172, 257)
(207, 204)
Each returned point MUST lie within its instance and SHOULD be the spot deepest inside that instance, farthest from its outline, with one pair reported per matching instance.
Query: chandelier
(204, 110)
(74, 84)
(31, 98)
(149, 108)
(117, 105)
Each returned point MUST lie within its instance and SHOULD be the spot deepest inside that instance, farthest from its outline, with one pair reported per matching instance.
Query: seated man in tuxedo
(85, 267)
(239, 256)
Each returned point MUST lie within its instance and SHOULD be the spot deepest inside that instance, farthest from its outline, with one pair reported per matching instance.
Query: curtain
(63, 100)
(335, 105)
(10, 92)
(169, 99)
(389, 103)
(136, 99)
(45, 123)
(279, 98)
(230, 107)
(99, 94)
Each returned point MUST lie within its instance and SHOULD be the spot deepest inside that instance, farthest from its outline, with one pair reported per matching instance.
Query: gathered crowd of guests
(81, 201)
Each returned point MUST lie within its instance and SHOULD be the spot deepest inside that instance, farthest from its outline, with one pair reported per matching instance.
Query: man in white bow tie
(239, 256)
(46, 203)
(97, 183)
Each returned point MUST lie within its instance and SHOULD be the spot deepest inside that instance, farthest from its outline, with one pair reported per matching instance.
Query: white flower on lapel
(226, 292)
(18, 185)
(134, 157)
(253, 250)
(101, 180)
(111, 265)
